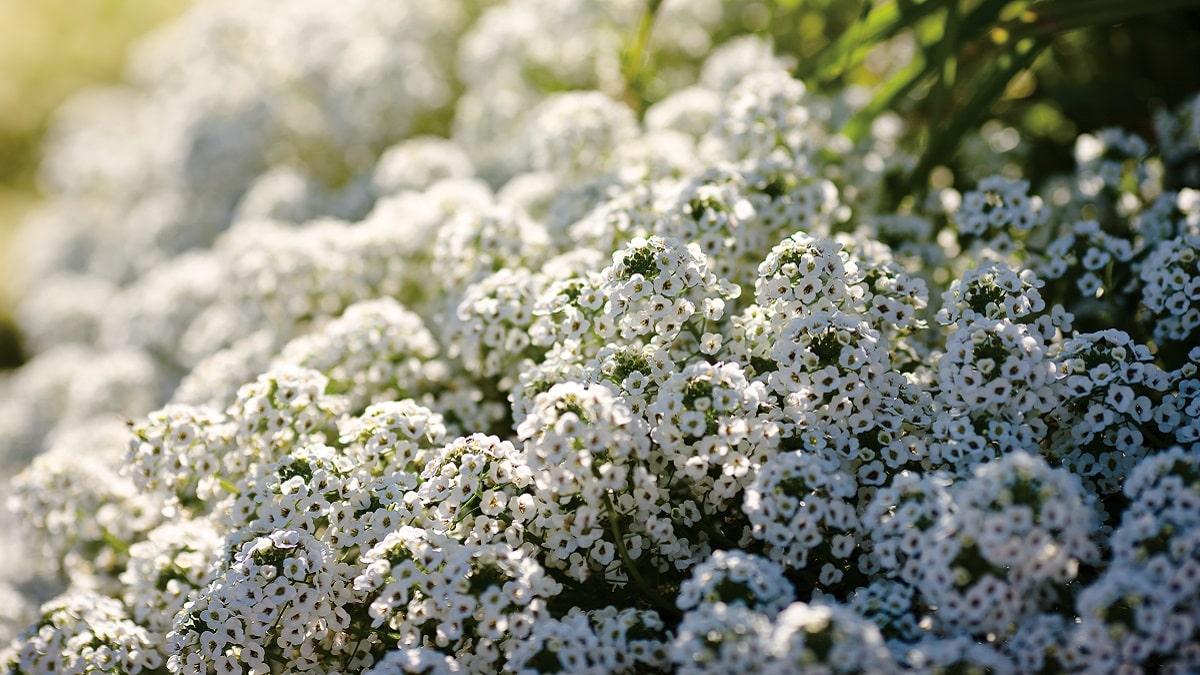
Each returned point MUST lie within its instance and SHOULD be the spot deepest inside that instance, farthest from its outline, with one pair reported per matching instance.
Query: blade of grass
(633, 58)
(863, 13)
(944, 65)
(946, 58)
(988, 90)
(981, 20)
(886, 97)
(848, 50)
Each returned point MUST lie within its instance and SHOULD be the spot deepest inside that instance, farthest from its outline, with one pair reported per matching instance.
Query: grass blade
(988, 90)
(881, 23)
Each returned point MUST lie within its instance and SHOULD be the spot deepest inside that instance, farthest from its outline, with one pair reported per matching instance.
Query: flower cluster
(374, 350)
(1143, 608)
(1171, 293)
(494, 319)
(764, 111)
(735, 577)
(712, 427)
(818, 637)
(285, 407)
(178, 450)
(993, 291)
(281, 599)
(1112, 396)
(1111, 162)
(996, 212)
(606, 640)
(597, 501)
(803, 508)
(165, 569)
(453, 498)
(473, 601)
(1084, 254)
(83, 632)
(478, 242)
(1020, 532)
(995, 383)
(51, 494)
(564, 387)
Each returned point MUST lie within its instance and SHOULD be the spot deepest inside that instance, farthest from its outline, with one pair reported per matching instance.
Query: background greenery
(1051, 68)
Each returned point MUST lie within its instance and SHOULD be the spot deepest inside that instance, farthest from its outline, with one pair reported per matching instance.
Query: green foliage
(1051, 68)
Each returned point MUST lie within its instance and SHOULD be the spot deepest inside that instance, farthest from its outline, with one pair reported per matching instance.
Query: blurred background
(50, 49)
(1103, 70)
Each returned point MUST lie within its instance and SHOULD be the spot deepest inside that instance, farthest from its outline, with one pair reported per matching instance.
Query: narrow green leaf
(946, 58)
(634, 56)
(982, 19)
(888, 94)
(988, 89)
(881, 23)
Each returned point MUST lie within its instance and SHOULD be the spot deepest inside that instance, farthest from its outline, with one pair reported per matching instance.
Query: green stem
(651, 592)
(228, 486)
(634, 57)
(718, 536)
(112, 541)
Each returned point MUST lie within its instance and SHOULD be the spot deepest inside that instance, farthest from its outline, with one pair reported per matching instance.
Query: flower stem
(228, 486)
(633, 59)
(651, 592)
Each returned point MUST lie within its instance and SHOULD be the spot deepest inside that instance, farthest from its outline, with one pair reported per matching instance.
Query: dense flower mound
(577, 389)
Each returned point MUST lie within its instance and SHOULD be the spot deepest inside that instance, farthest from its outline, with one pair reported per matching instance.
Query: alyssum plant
(578, 390)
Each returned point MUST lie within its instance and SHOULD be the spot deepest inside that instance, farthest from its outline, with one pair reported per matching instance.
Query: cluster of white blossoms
(1118, 397)
(569, 387)
(1143, 606)
(1171, 274)
(84, 632)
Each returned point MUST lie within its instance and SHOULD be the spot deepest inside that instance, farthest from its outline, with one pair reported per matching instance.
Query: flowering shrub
(578, 389)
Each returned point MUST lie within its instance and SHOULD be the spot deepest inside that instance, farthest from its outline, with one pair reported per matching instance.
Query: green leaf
(888, 95)
(875, 26)
(633, 58)
(946, 58)
(987, 90)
